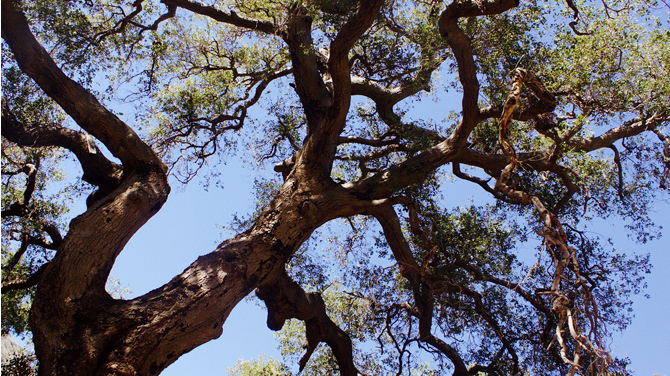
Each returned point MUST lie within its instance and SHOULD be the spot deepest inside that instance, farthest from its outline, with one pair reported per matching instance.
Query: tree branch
(98, 170)
(20, 208)
(285, 299)
(16, 257)
(666, 157)
(230, 18)
(456, 169)
(377, 142)
(464, 54)
(417, 168)
(122, 24)
(630, 128)
(28, 283)
(81, 105)
(322, 146)
(563, 255)
(423, 296)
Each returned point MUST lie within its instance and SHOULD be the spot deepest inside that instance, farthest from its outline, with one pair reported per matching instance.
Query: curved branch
(630, 128)
(230, 18)
(123, 23)
(563, 255)
(481, 309)
(456, 168)
(28, 283)
(285, 299)
(323, 145)
(98, 170)
(77, 102)
(423, 295)
(516, 287)
(417, 168)
(464, 54)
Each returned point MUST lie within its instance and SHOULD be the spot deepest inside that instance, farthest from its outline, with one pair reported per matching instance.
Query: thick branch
(321, 147)
(419, 167)
(81, 105)
(309, 85)
(285, 299)
(464, 54)
(98, 170)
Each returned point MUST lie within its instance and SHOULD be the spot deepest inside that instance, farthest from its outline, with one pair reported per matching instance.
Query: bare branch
(379, 141)
(123, 23)
(456, 168)
(630, 128)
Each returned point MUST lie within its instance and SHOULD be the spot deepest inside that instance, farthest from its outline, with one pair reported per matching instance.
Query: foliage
(260, 367)
(20, 364)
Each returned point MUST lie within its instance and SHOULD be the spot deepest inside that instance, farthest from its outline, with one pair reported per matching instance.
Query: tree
(562, 118)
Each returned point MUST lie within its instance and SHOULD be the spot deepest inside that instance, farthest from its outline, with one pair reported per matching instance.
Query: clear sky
(187, 227)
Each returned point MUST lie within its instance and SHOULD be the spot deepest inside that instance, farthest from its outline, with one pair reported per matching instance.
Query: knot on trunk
(308, 209)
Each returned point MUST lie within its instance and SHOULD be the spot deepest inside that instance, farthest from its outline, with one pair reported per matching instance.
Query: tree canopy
(558, 111)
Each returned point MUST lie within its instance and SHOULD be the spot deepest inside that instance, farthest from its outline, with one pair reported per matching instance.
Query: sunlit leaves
(260, 367)
(30, 212)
